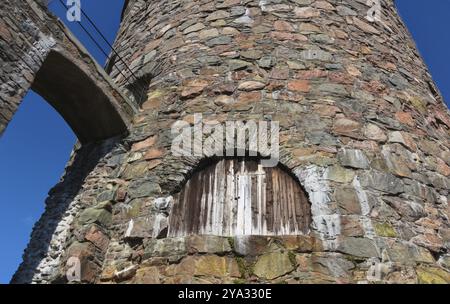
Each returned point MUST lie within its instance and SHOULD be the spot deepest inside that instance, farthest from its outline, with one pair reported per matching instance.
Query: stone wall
(363, 128)
(38, 52)
(82, 181)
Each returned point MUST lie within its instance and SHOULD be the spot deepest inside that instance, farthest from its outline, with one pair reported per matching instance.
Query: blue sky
(37, 143)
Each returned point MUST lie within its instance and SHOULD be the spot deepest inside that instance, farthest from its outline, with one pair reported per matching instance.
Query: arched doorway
(240, 197)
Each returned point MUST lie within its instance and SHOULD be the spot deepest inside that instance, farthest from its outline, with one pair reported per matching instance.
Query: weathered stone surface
(340, 174)
(217, 15)
(383, 182)
(206, 265)
(236, 64)
(397, 165)
(251, 85)
(250, 245)
(323, 268)
(384, 230)
(404, 139)
(82, 252)
(347, 200)
(306, 12)
(347, 127)
(100, 214)
(194, 28)
(135, 169)
(299, 86)
(126, 273)
(216, 266)
(146, 227)
(430, 241)
(147, 275)
(409, 210)
(207, 244)
(363, 129)
(97, 237)
(433, 275)
(344, 127)
(359, 247)
(273, 265)
(165, 247)
(143, 188)
(252, 54)
(445, 261)
(353, 158)
(352, 225)
(194, 88)
(405, 253)
(300, 243)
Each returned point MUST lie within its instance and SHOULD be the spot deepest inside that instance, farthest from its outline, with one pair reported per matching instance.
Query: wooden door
(240, 197)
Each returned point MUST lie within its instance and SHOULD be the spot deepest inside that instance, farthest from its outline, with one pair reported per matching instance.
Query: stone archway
(78, 99)
(39, 52)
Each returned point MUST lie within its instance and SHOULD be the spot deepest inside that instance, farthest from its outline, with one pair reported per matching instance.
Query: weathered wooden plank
(221, 177)
(293, 215)
(269, 202)
(264, 205)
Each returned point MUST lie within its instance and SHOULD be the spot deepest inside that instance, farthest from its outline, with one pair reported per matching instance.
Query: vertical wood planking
(240, 197)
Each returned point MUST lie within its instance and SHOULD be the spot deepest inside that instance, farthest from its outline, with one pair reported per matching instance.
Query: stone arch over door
(238, 196)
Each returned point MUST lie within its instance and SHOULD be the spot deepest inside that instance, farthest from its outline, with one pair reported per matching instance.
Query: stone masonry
(38, 52)
(363, 129)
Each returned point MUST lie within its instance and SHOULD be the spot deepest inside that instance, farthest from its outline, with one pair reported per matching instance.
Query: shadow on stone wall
(50, 233)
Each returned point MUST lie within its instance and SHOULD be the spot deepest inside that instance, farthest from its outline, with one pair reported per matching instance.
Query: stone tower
(361, 191)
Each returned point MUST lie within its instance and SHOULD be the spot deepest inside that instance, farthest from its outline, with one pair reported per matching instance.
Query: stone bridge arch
(44, 56)
(82, 102)
(38, 52)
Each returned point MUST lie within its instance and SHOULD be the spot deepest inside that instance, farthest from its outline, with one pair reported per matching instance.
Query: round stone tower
(361, 190)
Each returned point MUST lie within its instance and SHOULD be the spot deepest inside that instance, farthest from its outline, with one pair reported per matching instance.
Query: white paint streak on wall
(365, 209)
(130, 228)
(327, 223)
(39, 49)
(262, 5)
(245, 19)
(49, 264)
(159, 224)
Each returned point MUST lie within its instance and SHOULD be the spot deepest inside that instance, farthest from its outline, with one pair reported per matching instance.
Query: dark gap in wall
(139, 89)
